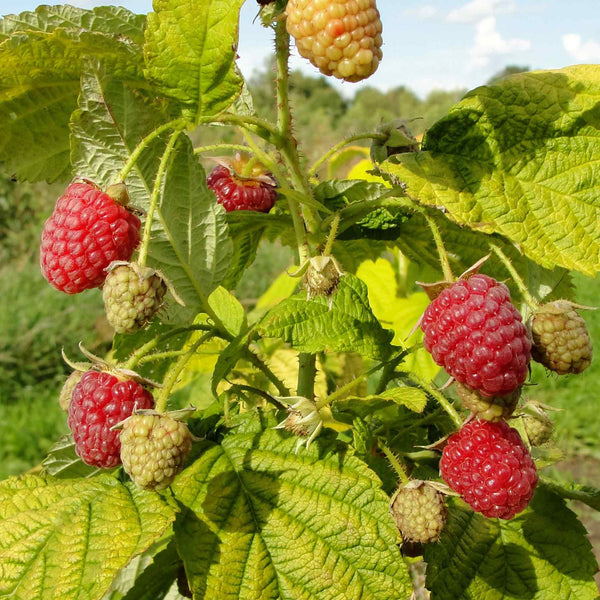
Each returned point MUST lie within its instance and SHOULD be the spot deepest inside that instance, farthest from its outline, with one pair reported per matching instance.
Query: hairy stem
(154, 198)
(354, 138)
(142, 351)
(220, 147)
(393, 460)
(531, 301)
(177, 124)
(441, 399)
(262, 366)
(175, 371)
(439, 244)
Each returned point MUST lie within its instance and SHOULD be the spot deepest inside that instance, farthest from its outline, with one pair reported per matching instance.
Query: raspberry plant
(281, 431)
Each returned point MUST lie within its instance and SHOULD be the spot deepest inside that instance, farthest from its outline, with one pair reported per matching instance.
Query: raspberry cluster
(490, 467)
(99, 401)
(340, 37)
(86, 232)
(473, 330)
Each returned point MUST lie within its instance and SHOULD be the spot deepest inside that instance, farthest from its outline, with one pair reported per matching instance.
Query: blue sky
(441, 44)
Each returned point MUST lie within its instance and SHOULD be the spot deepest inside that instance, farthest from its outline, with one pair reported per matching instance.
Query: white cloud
(489, 42)
(423, 12)
(476, 10)
(583, 52)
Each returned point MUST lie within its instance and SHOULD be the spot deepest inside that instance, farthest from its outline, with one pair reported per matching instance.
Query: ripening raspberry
(86, 232)
(490, 467)
(340, 37)
(235, 193)
(473, 330)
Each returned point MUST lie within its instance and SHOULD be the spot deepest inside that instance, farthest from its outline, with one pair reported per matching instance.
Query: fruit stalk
(529, 299)
(135, 155)
(443, 401)
(439, 244)
(393, 460)
(175, 371)
(158, 182)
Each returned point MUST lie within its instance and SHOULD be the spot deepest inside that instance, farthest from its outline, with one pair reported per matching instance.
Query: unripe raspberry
(132, 296)
(340, 37)
(235, 193)
(66, 392)
(87, 231)
(537, 424)
(494, 408)
(490, 467)
(101, 400)
(560, 338)
(419, 511)
(474, 332)
(153, 449)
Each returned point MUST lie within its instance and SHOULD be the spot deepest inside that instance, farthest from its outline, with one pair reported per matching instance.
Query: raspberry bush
(308, 444)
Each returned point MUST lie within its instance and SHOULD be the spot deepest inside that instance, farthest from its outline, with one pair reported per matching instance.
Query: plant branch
(307, 370)
(439, 244)
(135, 155)
(531, 301)
(219, 147)
(175, 371)
(393, 460)
(442, 400)
(154, 198)
(262, 366)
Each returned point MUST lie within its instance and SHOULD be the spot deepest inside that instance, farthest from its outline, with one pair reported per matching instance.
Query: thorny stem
(443, 401)
(135, 155)
(266, 160)
(439, 243)
(307, 370)
(284, 124)
(531, 301)
(154, 198)
(354, 138)
(253, 124)
(393, 460)
(175, 371)
(142, 351)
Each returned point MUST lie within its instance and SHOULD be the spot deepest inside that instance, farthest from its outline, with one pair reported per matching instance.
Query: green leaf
(190, 242)
(63, 462)
(113, 116)
(519, 158)
(39, 75)
(413, 398)
(68, 539)
(190, 51)
(104, 19)
(543, 553)
(313, 326)
(265, 523)
(228, 308)
(574, 491)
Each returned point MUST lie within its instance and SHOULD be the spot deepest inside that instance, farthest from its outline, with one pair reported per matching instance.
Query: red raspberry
(490, 467)
(86, 232)
(240, 194)
(101, 400)
(475, 333)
